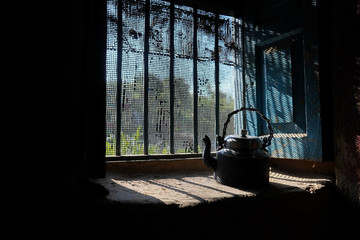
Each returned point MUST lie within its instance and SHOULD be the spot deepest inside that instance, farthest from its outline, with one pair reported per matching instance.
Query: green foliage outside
(132, 141)
(133, 145)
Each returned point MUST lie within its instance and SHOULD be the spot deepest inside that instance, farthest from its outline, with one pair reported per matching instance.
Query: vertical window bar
(238, 95)
(195, 88)
(119, 80)
(146, 77)
(217, 74)
(172, 92)
(244, 126)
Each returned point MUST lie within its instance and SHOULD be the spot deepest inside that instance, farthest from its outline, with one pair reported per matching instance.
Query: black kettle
(241, 161)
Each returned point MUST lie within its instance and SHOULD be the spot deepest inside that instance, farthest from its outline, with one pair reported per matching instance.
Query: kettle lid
(242, 142)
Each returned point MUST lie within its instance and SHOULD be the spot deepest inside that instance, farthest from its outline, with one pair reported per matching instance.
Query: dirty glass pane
(129, 97)
(111, 77)
(159, 76)
(206, 75)
(183, 80)
(229, 67)
(132, 74)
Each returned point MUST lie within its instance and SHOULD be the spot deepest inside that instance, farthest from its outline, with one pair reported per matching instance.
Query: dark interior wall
(345, 79)
(339, 51)
(55, 50)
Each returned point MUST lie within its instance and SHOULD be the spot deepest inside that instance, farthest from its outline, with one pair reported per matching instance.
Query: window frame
(298, 126)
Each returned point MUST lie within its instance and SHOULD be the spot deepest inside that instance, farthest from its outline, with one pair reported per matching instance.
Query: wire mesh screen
(174, 73)
(159, 75)
(278, 85)
(178, 105)
(229, 71)
(183, 79)
(132, 75)
(111, 77)
(206, 75)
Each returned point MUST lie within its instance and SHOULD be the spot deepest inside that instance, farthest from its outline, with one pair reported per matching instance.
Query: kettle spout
(208, 160)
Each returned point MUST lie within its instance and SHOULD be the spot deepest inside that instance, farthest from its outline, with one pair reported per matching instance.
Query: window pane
(111, 77)
(129, 97)
(183, 80)
(230, 74)
(159, 77)
(206, 76)
(132, 95)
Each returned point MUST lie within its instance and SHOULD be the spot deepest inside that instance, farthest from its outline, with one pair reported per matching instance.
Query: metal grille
(172, 73)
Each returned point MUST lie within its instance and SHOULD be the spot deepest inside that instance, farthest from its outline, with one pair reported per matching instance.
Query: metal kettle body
(241, 161)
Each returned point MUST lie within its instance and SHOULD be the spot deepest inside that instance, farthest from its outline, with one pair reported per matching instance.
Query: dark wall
(55, 52)
(339, 44)
(54, 55)
(346, 96)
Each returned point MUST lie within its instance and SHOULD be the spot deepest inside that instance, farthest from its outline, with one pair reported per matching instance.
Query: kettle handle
(266, 140)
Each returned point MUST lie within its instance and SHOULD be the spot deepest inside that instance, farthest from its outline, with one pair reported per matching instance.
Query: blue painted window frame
(293, 40)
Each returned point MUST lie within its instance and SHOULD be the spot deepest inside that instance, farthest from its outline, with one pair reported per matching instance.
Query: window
(281, 79)
(173, 74)
(281, 82)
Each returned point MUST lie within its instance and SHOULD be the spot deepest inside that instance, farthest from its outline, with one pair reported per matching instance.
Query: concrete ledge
(181, 200)
(189, 183)
(131, 168)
